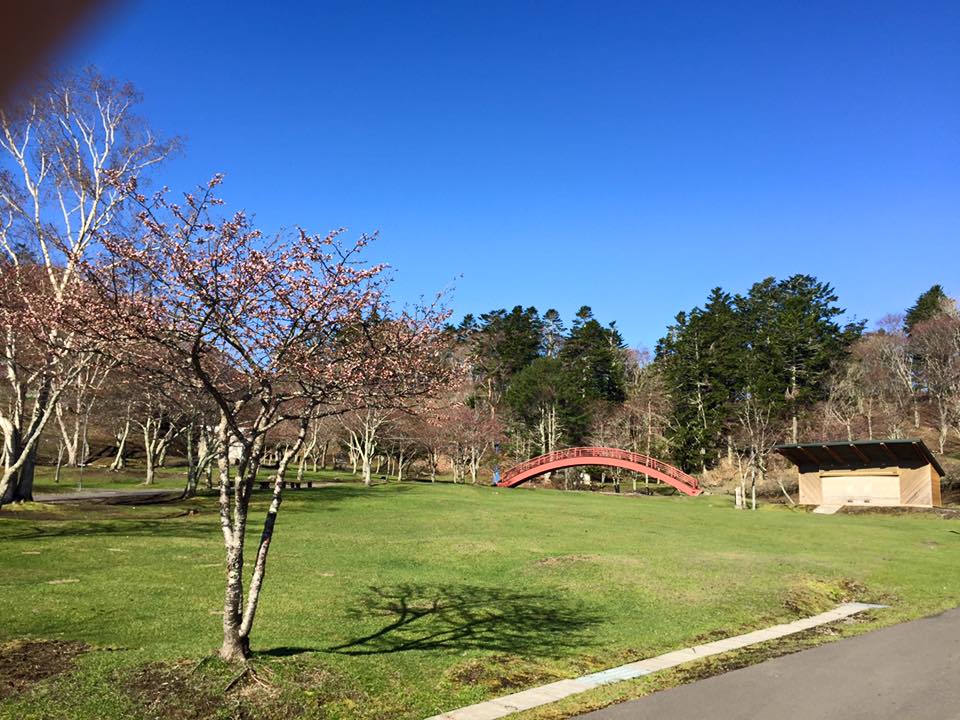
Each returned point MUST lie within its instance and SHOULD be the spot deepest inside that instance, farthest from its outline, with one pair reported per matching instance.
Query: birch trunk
(149, 448)
(119, 461)
(365, 469)
(193, 468)
(56, 477)
(69, 437)
(20, 438)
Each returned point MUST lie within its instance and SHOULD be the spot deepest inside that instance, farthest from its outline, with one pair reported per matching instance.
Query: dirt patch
(500, 672)
(187, 691)
(564, 560)
(25, 662)
(173, 692)
(944, 513)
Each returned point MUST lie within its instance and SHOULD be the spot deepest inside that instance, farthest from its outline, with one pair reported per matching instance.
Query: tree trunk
(301, 467)
(153, 447)
(365, 468)
(943, 434)
(20, 447)
(193, 466)
(474, 466)
(149, 448)
(26, 475)
(85, 435)
(235, 649)
(56, 477)
(20, 484)
(784, 491)
(237, 619)
(323, 457)
(16, 483)
(119, 461)
(151, 471)
(69, 437)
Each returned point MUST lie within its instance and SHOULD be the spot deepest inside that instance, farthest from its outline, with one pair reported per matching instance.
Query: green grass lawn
(400, 601)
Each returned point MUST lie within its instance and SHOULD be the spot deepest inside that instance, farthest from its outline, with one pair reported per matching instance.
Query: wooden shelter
(866, 472)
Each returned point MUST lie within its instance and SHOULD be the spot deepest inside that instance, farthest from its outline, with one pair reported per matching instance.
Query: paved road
(904, 672)
(108, 496)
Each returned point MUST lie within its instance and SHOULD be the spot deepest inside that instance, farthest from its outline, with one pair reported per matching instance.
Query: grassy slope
(499, 589)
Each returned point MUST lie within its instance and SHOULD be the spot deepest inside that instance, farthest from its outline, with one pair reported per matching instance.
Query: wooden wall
(919, 486)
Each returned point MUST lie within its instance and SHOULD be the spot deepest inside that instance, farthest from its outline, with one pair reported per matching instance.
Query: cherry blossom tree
(471, 433)
(402, 442)
(76, 406)
(272, 331)
(363, 428)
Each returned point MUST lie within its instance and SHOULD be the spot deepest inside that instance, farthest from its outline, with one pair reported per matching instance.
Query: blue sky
(627, 156)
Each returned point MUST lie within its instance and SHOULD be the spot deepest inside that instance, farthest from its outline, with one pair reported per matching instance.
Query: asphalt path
(108, 496)
(905, 672)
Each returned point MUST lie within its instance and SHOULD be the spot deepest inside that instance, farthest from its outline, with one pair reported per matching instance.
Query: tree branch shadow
(124, 527)
(462, 617)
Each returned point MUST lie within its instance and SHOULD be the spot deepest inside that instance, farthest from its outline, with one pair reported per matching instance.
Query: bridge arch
(609, 457)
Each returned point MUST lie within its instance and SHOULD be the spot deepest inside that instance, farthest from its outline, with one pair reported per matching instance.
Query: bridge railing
(602, 452)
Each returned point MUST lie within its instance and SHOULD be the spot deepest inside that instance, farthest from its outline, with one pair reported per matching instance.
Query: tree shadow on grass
(186, 521)
(286, 651)
(462, 617)
(156, 527)
(327, 497)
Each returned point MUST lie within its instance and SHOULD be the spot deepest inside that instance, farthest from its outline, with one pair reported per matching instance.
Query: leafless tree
(935, 345)
(363, 432)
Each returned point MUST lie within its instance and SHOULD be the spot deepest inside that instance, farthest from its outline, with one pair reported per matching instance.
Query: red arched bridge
(610, 457)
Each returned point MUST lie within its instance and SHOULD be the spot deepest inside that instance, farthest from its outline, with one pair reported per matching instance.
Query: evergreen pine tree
(930, 304)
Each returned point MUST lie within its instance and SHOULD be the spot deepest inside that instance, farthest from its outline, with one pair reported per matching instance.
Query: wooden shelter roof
(860, 454)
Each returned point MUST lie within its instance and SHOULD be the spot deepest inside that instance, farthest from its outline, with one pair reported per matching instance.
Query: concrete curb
(509, 704)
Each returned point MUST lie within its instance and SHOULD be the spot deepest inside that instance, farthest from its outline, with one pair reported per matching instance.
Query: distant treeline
(728, 380)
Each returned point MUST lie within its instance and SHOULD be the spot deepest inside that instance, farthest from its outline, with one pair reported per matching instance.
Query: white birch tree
(62, 152)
